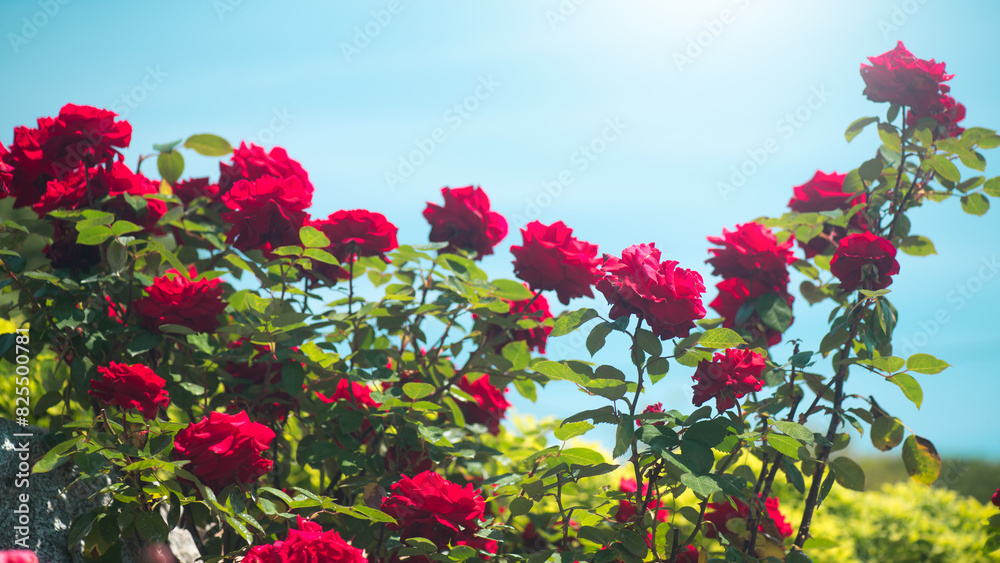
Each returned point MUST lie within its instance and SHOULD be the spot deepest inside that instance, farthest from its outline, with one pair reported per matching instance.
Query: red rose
(253, 163)
(688, 555)
(190, 190)
(550, 258)
(480, 544)
(734, 293)
(26, 166)
(466, 221)
(224, 449)
(353, 234)
(752, 252)
(175, 299)
(490, 406)
(6, 173)
(654, 408)
(18, 556)
(429, 506)
(668, 298)
(266, 213)
(864, 260)
(825, 192)
(728, 376)
(718, 514)
(131, 387)
(353, 392)
(627, 508)
(947, 112)
(996, 498)
(536, 309)
(83, 135)
(308, 544)
(900, 78)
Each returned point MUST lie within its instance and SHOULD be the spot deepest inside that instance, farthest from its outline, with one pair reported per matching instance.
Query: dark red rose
(253, 163)
(175, 299)
(752, 252)
(64, 252)
(130, 387)
(550, 258)
(947, 112)
(224, 449)
(654, 408)
(355, 393)
(865, 261)
(536, 309)
(83, 136)
(900, 78)
(190, 190)
(774, 523)
(429, 506)
(6, 173)
(353, 234)
(825, 192)
(18, 556)
(688, 555)
(734, 294)
(996, 498)
(627, 507)
(266, 213)
(480, 544)
(490, 406)
(730, 374)
(668, 298)
(135, 185)
(27, 167)
(465, 221)
(308, 544)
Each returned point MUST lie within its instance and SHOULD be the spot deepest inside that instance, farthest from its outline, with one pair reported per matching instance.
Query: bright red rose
(668, 298)
(83, 136)
(774, 523)
(429, 506)
(190, 190)
(465, 221)
(308, 544)
(18, 556)
(253, 163)
(733, 294)
(533, 308)
(996, 498)
(627, 508)
(224, 449)
(947, 112)
(728, 376)
(27, 167)
(550, 258)
(900, 78)
(752, 252)
(131, 387)
(865, 261)
(353, 234)
(355, 393)
(175, 299)
(266, 212)
(490, 406)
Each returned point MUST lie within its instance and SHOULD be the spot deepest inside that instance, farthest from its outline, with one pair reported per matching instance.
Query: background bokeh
(632, 121)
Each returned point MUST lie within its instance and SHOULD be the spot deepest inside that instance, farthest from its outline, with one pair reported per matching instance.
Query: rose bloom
(947, 112)
(308, 544)
(175, 299)
(355, 393)
(429, 506)
(653, 408)
(224, 449)
(253, 162)
(130, 387)
(752, 252)
(728, 376)
(533, 308)
(18, 556)
(354, 233)
(733, 293)
(718, 514)
(627, 508)
(825, 192)
(864, 261)
(490, 406)
(6, 173)
(668, 298)
(266, 213)
(996, 498)
(900, 78)
(550, 258)
(465, 221)
(193, 188)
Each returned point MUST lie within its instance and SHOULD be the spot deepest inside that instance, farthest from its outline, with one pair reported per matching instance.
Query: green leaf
(944, 168)
(151, 526)
(208, 145)
(926, 364)
(798, 557)
(572, 429)
(374, 515)
(720, 338)
(657, 368)
(568, 322)
(785, 444)
(911, 388)
(648, 342)
(52, 457)
(794, 430)
(416, 391)
(94, 235)
(975, 204)
(520, 506)
(848, 473)
(917, 246)
(320, 255)
(582, 456)
(518, 354)
(774, 311)
(597, 336)
(887, 432)
(117, 257)
(312, 237)
(142, 342)
(623, 438)
(557, 370)
(702, 485)
(511, 290)
(171, 166)
(857, 127)
(992, 187)
(871, 170)
(166, 147)
(240, 528)
(124, 227)
(921, 459)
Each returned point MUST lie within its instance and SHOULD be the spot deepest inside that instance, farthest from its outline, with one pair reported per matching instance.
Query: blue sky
(623, 119)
